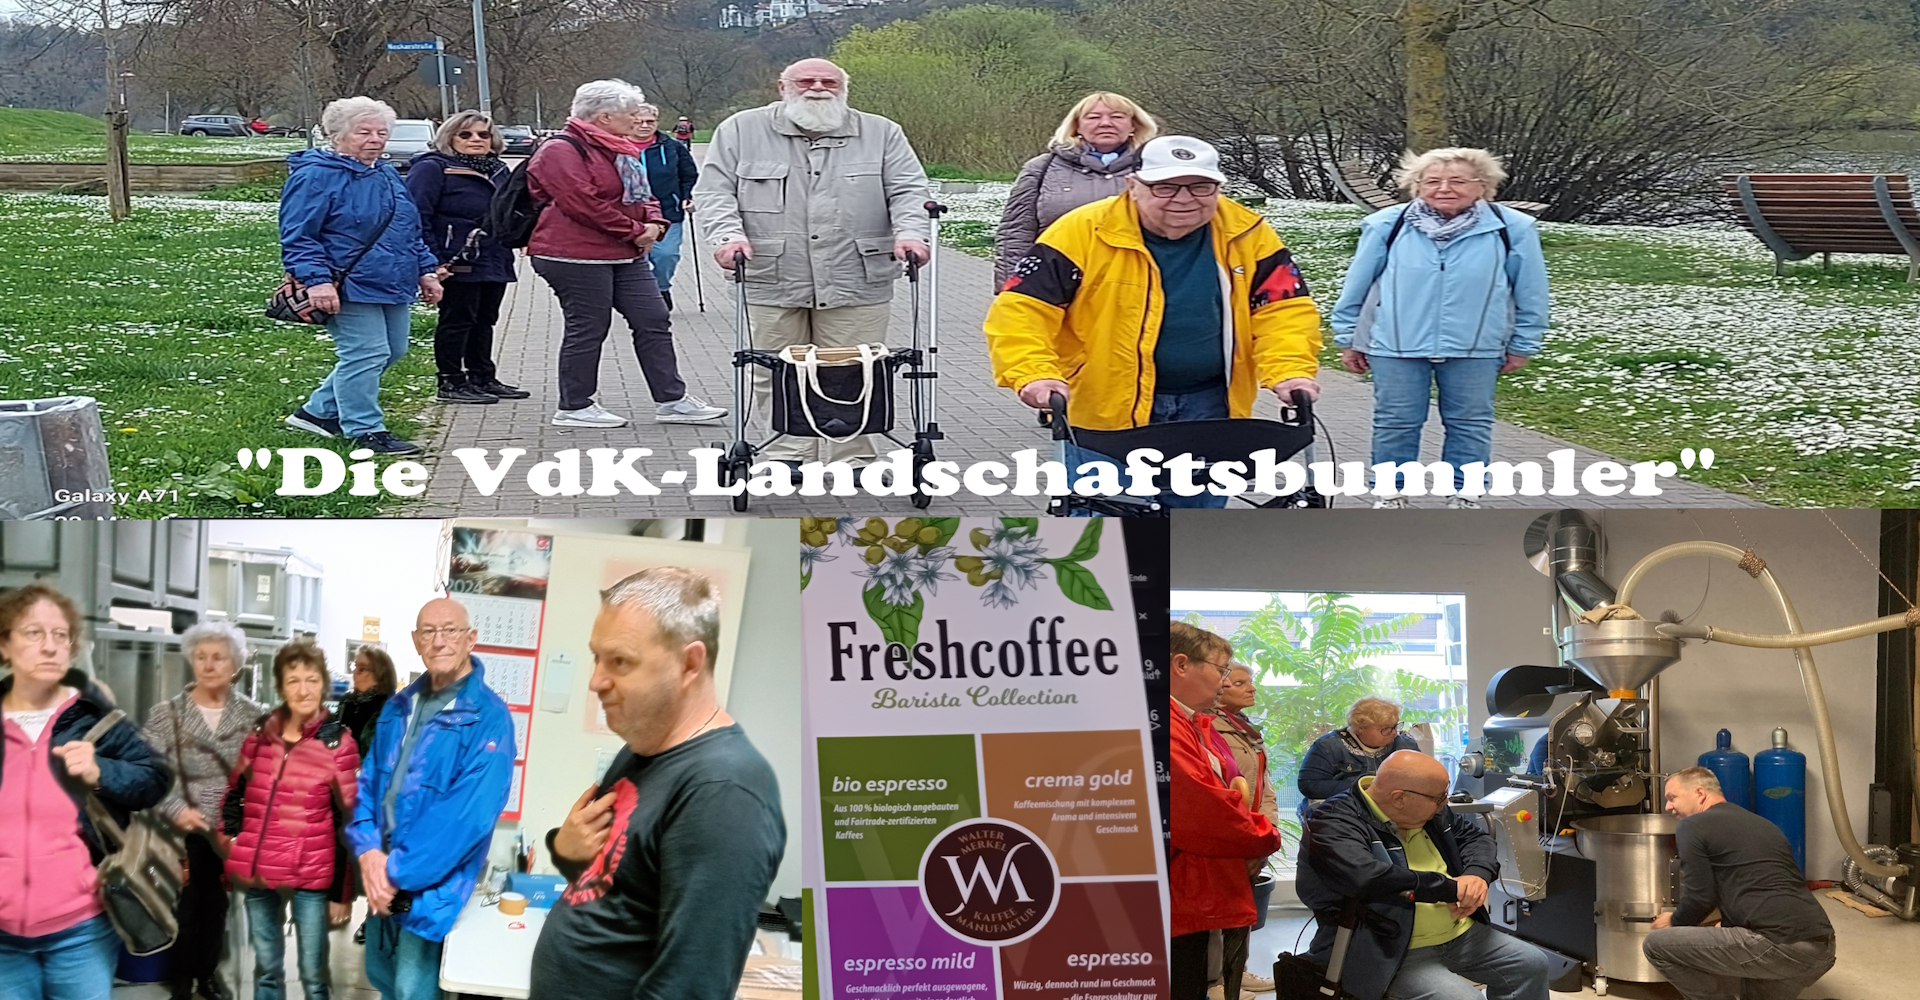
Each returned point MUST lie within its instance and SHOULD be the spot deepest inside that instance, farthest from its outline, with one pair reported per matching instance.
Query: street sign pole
(480, 60)
(440, 60)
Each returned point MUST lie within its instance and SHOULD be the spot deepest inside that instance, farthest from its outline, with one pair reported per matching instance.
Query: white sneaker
(1394, 503)
(1250, 983)
(687, 410)
(590, 415)
(1462, 503)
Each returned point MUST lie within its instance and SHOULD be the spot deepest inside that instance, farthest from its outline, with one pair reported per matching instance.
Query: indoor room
(1501, 644)
(329, 624)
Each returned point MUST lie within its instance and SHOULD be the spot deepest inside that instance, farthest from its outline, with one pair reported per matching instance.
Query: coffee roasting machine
(1569, 778)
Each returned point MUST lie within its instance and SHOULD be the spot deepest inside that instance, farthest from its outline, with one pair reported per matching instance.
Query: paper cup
(512, 903)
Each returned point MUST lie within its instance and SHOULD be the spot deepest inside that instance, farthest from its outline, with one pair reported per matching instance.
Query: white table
(490, 953)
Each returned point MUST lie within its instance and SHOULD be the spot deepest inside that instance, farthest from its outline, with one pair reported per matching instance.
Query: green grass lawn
(1804, 386)
(60, 136)
(159, 318)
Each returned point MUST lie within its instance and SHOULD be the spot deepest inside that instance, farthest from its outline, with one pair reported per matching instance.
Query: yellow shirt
(1432, 924)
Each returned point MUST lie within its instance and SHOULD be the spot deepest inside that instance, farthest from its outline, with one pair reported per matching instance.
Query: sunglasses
(476, 135)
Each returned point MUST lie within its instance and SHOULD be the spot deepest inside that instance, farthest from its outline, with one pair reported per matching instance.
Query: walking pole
(699, 287)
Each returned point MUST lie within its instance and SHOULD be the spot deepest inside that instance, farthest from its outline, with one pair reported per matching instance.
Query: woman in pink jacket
(286, 804)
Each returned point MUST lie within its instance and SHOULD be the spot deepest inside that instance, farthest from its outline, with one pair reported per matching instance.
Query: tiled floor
(1876, 958)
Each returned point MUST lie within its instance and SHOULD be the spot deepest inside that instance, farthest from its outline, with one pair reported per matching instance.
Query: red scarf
(618, 145)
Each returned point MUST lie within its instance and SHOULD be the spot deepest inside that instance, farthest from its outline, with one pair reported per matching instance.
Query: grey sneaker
(1462, 503)
(687, 410)
(590, 415)
(1394, 503)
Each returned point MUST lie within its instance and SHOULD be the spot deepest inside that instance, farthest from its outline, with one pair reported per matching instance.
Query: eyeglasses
(816, 82)
(1438, 800)
(476, 135)
(1450, 182)
(1222, 667)
(35, 636)
(1199, 189)
(450, 633)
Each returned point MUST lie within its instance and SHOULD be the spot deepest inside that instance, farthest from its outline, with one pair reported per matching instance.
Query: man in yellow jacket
(1166, 303)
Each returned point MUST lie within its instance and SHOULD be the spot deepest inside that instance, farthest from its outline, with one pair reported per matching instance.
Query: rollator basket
(837, 393)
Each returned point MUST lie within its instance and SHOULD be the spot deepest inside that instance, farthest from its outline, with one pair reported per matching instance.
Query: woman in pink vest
(286, 804)
(55, 941)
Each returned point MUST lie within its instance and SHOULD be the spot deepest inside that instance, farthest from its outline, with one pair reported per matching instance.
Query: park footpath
(982, 421)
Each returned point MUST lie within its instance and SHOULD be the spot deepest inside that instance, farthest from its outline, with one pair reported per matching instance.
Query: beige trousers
(775, 328)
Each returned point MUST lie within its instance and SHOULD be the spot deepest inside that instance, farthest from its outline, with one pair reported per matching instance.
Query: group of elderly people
(823, 202)
(1447, 292)
(366, 244)
(260, 796)
(1374, 831)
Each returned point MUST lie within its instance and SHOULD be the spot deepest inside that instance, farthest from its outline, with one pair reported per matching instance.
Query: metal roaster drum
(1633, 857)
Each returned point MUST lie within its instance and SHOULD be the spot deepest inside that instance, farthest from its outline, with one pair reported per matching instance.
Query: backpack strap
(100, 728)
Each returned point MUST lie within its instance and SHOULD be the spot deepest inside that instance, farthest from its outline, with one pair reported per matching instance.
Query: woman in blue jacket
(1339, 759)
(453, 184)
(351, 235)
(1449, 289)
(670, 174)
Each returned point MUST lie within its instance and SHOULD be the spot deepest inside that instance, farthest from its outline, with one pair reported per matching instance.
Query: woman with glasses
(1339, 759)
(199, 732)
(454, 184)
(374, 681)
(1448, 291)
(55, 940)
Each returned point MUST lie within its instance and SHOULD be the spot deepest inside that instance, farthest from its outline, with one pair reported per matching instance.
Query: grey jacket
(821, 214)
(205, 758)
(1049, 186)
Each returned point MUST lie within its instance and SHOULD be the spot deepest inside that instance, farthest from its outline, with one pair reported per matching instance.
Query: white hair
(340, 115)
(644, 108)
(226, 632)
(602, 97)
(1484, 165)
(683, 604)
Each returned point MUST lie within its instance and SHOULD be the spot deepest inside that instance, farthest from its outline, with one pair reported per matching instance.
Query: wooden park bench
(1360, 186)
(1799, 215)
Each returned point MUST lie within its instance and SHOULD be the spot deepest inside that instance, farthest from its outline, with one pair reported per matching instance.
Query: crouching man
(1422, 872)
(1773, 939)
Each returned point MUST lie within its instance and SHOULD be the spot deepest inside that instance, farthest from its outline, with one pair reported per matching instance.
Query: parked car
(409, 138)
(215, 125)
(518, 139)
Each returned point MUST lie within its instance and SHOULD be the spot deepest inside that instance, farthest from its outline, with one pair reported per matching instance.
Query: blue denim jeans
(369, 338)
(1401, 390)
(1511, 969)
(401, 964)
(1208, 404)
(74, 964)
(266, 928)
(665, 255)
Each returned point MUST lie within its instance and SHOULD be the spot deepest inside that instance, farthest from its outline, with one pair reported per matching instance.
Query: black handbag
(292, 303)
(836, 393)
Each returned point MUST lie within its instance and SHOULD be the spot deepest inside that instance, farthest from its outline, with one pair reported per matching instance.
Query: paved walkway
(982, 421)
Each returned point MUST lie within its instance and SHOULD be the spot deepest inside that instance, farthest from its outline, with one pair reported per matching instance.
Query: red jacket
(1213, 835)
(584, 218)
(289, 826)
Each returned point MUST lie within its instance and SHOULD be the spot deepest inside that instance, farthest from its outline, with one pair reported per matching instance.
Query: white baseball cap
(1171, 156)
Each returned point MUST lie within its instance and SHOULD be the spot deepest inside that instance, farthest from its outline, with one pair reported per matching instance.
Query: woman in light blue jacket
(1449, 289)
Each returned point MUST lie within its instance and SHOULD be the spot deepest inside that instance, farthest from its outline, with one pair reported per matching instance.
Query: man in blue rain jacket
(432, 787)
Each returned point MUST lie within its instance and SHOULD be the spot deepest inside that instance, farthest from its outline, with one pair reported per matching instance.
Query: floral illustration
(907, 560)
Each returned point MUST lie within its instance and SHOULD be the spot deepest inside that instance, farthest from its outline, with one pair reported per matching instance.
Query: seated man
(1773, 941)
(1167, 303)
(1422, 872)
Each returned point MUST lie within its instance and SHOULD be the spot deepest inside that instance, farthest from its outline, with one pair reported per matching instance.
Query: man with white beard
(825, 202)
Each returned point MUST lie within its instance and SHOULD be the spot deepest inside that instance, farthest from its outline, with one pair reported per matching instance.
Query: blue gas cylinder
(1780, 787)
(1730, 766)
